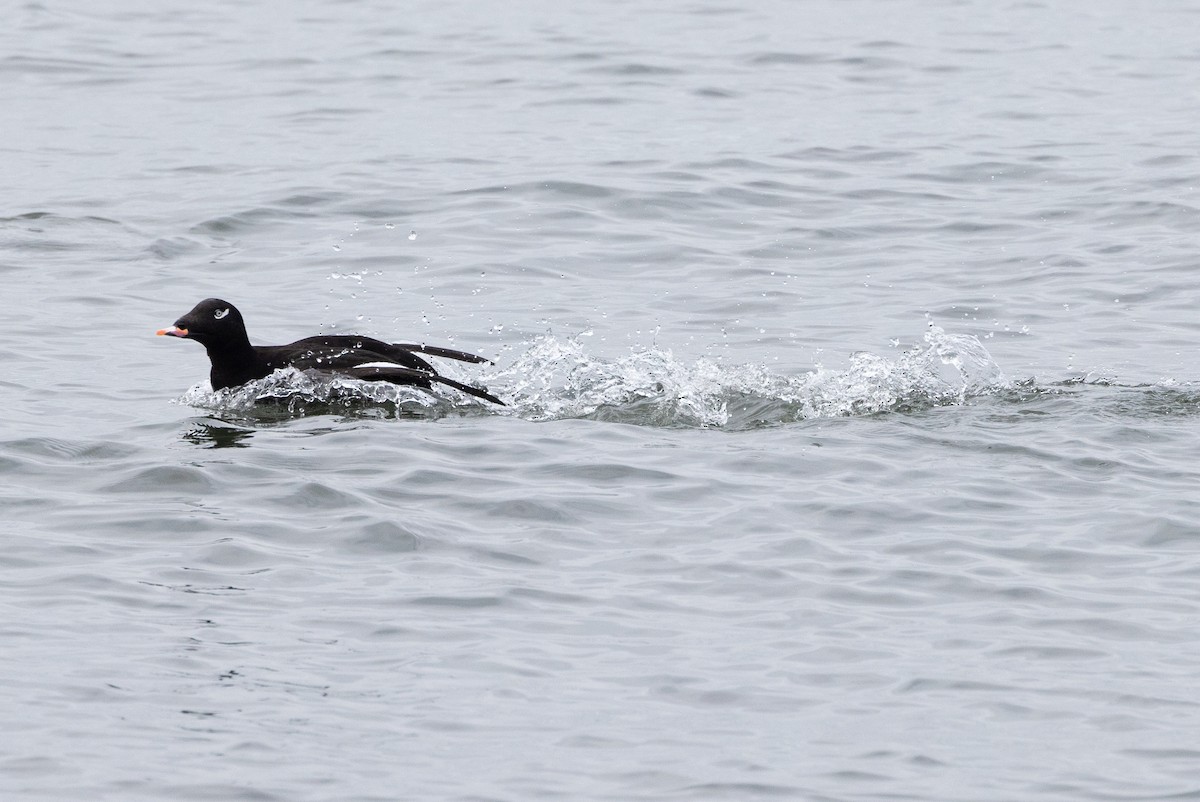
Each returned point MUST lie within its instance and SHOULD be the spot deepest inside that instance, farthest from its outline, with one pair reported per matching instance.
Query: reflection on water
(212, 433)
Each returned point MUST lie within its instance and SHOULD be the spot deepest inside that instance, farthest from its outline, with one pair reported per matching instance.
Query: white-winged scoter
(218, 326)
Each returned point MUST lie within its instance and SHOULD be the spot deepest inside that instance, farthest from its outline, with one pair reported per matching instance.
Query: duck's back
(338, 352)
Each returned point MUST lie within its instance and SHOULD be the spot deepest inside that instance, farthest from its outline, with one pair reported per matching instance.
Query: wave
(290, 393)
(556, 379)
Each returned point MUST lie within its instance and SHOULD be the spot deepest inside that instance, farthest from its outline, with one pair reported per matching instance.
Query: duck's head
(212, 322)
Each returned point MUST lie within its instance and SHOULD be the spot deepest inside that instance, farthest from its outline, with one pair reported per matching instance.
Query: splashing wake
(556, 379)
(291, 392)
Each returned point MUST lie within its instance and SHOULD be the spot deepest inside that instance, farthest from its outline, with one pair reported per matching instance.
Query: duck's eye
(220, 313)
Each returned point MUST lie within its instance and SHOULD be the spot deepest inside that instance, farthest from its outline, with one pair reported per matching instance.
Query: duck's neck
(234, 364)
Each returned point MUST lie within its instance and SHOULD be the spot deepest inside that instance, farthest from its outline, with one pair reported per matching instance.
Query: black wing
(417, 378)
(350, 349)
(359, 357)
(339, 352)
(448, 353)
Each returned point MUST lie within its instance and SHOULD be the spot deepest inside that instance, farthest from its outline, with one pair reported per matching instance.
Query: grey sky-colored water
(849, 352)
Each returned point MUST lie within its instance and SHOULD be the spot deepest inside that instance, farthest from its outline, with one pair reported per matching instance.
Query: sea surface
(849, 351)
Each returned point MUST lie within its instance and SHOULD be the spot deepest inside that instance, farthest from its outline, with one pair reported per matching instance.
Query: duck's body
(218, 326)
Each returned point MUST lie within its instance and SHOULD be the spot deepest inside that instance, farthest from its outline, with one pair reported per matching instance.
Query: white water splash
(295, 390)
(557, 379)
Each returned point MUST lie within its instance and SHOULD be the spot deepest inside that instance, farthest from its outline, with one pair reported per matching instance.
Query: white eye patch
(220, 313)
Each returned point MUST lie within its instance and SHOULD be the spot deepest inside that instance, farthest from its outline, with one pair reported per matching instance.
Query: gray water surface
(852, 414)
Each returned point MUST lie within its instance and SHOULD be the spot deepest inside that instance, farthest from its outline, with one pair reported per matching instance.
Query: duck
(218, 326)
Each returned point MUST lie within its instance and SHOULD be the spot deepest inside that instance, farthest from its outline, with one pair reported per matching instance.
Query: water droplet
(412, 235)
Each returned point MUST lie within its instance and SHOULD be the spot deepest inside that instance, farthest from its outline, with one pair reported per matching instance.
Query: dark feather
(218, 326)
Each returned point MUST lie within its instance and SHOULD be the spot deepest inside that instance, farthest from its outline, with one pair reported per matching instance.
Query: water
(852, 407)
